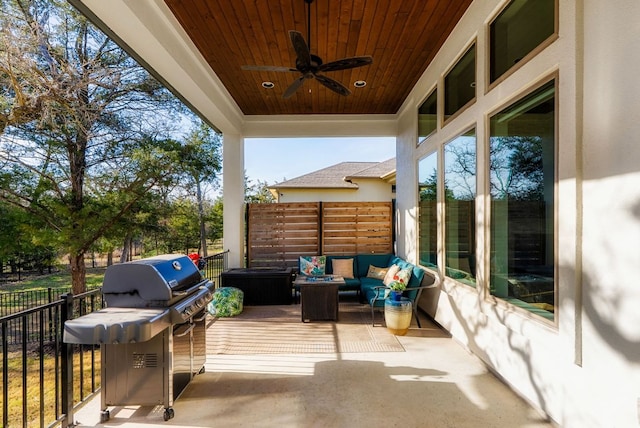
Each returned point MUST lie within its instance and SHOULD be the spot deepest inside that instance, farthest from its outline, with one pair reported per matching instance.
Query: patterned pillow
(342, 267)
(388, 278)
(376, 272)
(226, 302)
(312, 265)
(404, 275)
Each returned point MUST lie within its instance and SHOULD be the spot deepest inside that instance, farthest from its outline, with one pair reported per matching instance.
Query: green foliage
(183, 231)
(258, 192)
(215, 219)
(201, 158)
(87, 149)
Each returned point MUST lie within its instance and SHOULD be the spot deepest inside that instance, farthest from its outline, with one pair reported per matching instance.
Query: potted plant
(397, 286)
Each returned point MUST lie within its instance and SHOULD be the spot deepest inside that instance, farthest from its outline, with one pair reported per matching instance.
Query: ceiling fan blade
(266, 68)
(334, 85)
(346, 63)
(293, 87)
(303, 56)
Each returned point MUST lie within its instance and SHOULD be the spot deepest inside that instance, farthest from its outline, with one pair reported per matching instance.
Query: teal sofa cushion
(368, 291)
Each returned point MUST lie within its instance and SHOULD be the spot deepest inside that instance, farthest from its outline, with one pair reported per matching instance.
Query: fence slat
(277, 234)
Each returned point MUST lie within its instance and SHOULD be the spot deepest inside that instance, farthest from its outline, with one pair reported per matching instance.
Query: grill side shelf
(116, 325)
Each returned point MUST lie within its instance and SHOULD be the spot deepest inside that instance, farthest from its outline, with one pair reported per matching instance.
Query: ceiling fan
(311, 66)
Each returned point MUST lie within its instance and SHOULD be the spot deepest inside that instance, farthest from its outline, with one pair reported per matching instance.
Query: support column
(233, 196)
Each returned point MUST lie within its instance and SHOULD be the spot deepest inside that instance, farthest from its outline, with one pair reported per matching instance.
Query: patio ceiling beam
(321, 126)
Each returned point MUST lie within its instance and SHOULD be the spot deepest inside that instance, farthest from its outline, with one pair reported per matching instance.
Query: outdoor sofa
(364, 273)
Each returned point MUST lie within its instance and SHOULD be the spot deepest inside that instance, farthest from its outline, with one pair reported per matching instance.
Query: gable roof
(337, 176)
(379, 170)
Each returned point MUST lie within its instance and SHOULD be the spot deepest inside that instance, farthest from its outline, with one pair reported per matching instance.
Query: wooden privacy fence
(278, 234)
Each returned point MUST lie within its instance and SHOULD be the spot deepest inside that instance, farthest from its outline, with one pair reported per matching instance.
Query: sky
(278, 159)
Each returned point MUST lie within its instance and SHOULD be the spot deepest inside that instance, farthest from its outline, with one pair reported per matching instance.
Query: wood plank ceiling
(402, 36)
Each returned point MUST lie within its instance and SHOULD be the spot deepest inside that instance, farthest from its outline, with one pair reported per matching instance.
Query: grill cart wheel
(104, 416)
(168, 414)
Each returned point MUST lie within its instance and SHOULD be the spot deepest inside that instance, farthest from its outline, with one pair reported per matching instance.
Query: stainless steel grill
(152, 331)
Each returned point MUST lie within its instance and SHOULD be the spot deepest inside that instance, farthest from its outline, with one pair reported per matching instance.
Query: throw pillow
(342, 267)
(388, 278)
(404, 275)
(312, 265)
(376, 272)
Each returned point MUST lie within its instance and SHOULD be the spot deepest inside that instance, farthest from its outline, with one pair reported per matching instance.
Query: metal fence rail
(215, 265)
(16, 301)
(38, 383)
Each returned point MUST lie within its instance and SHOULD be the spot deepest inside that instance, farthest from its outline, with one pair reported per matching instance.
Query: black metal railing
(16, 301)
(215, 265)
(42, 377)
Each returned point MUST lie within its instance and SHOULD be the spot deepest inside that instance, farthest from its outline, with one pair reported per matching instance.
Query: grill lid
(152, 282)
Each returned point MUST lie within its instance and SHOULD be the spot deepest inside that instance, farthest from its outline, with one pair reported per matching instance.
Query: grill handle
(187, 331)
(177, 293)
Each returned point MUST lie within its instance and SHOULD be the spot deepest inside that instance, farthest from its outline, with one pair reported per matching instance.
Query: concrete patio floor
(434, 383)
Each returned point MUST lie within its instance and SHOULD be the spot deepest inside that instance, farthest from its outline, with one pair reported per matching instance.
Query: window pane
(519, 29)
(460, 83)
(427, 115)
(427, 213)
(522, 177)
(460, 212)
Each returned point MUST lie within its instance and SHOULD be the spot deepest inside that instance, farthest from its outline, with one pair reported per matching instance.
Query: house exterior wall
(368, 191)
(584, 369)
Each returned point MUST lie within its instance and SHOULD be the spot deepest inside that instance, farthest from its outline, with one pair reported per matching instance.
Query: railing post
(67, 364)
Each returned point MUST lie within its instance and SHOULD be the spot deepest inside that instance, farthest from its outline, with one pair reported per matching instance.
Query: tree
(85, 127)
(216, 219)
(258, 192)
(182, 232)
(201, 161)
(516, 166)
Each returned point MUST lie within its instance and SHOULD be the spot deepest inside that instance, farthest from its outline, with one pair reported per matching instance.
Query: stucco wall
(368, 191)
(584, 369)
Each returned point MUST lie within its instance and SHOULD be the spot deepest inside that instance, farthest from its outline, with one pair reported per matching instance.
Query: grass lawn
(60, 280)
(45, 390)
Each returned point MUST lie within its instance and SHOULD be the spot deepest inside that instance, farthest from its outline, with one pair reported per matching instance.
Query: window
(460, 83)
(460, 212)
(427, 210)
(427, 115)
(522, 181)
(521, 27)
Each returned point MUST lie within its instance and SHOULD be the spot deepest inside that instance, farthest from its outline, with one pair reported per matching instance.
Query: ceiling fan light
(360, 83)
(268, 85)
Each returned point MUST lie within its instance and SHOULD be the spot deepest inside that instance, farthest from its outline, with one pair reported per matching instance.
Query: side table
(397, 315)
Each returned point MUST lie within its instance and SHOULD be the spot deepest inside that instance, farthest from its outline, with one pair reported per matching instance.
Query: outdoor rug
(278, 329)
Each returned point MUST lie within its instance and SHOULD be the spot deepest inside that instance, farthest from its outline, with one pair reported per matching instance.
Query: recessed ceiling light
(268, 85)
(359, 83)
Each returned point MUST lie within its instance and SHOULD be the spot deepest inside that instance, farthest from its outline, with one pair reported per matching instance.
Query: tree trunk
(78, 273)
(109, 258)
(124, 257)
(203, 235)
